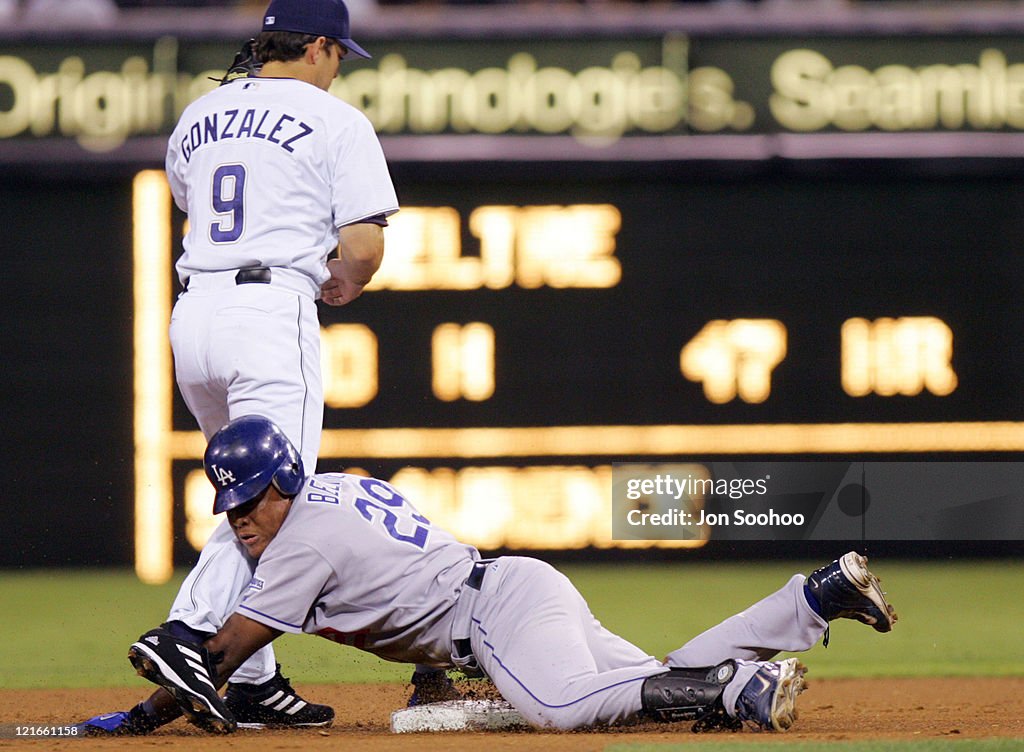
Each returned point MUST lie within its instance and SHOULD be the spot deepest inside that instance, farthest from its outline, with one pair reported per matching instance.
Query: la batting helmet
(245, 457)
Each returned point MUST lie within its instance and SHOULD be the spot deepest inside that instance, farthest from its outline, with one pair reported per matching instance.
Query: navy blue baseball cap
(324, 18)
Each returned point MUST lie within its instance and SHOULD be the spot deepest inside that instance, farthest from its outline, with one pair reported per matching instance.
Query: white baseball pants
(241, 350)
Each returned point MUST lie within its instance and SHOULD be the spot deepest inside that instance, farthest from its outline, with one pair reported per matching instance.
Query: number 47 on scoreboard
(884, 357)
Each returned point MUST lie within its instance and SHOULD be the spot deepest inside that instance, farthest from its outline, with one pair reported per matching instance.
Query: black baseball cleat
(274, 704)
(185, 670)
(846, 589)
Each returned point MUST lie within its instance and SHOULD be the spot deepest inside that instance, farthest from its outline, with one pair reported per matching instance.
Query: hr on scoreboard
(574, 247)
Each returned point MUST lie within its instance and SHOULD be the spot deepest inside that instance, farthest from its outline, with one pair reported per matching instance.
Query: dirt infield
(830, 710)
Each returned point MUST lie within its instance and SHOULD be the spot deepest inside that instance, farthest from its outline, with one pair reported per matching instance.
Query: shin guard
(690, 694)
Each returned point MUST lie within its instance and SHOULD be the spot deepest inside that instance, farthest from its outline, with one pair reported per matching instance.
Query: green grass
(72, 628)
(956, 619)
(874, 745)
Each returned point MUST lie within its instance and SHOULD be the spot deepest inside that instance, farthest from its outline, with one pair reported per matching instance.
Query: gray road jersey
(356, 563)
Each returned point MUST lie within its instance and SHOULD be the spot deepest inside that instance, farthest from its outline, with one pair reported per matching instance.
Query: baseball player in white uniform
(350, 559)
(287, 191)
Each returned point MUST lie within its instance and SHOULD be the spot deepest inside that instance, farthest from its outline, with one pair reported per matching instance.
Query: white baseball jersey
(268, 169)
(356, 563)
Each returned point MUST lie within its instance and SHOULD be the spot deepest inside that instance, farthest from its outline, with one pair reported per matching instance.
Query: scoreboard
(680, 237)
(671, 301)
(532, 326)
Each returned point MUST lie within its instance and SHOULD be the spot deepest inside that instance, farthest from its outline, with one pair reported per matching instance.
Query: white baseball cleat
(769, 699)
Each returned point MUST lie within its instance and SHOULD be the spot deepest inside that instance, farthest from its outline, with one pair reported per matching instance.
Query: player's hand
(338, 290)
(120, 723)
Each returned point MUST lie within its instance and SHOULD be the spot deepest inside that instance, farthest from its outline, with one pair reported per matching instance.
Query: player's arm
(360, 252)
(238, 639)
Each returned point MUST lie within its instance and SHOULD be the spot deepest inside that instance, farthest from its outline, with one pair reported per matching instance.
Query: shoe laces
(277, 682)
(282, 681)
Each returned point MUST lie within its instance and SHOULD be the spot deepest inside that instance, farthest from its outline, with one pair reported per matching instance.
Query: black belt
(476, 578)
(258, 276)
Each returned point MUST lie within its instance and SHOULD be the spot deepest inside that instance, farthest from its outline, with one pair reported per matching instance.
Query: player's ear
(313, 50)
(322, 45)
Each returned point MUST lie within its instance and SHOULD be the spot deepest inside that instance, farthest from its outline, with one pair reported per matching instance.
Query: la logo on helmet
(223, 476)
